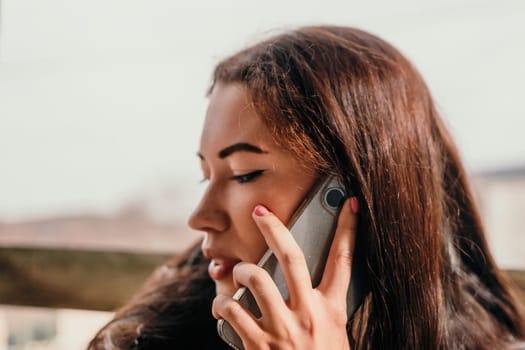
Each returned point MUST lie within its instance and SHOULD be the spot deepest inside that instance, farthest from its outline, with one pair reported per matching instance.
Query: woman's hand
(312, 318)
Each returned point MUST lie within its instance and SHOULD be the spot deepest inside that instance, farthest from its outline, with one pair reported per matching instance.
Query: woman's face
(242, 167)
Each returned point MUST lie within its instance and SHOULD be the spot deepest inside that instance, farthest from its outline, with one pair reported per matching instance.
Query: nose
(209, 215)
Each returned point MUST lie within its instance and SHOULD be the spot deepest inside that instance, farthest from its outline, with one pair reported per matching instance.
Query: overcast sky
(103, 100)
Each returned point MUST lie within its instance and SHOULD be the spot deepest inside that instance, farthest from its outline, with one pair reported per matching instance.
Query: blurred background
(101, 105)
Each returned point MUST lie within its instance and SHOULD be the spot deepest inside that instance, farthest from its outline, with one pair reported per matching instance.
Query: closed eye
(248, 177)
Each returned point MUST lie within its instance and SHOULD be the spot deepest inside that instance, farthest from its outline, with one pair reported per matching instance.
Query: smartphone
(313, 227)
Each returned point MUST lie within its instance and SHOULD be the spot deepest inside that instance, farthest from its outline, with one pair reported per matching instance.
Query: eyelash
(248, 177)
(242, 178)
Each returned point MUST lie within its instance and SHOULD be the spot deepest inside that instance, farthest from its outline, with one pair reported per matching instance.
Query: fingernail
(261, 210)
(354, 205)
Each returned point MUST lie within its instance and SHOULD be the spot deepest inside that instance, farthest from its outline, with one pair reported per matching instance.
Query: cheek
(248, 240)
(280, 197)
(283, 201)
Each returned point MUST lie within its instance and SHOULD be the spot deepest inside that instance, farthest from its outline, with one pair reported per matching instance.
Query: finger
(336, 276)
(264, 290)
(242, 321)
(288, 253)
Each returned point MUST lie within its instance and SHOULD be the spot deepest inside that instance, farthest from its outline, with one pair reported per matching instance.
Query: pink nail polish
(354, 205)
(261, 210)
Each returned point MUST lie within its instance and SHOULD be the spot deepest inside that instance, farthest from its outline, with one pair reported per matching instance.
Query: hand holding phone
(312, 227)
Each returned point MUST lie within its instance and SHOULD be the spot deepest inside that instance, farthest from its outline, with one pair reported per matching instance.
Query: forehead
(231, 118)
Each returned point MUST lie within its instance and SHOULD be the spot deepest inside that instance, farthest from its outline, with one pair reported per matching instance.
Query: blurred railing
(94, 280)
(88, 279)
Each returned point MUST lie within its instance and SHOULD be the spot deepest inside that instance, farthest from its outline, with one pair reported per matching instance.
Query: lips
(219, 268)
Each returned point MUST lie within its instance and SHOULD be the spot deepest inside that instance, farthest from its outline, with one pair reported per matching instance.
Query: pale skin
(253, 188)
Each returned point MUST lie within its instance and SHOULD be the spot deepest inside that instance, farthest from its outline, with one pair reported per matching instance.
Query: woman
(282, 113)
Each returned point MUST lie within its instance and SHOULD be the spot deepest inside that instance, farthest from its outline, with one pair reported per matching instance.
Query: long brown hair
(347, 103)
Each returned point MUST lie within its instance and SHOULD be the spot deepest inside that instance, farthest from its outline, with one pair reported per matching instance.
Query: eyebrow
(237, 147)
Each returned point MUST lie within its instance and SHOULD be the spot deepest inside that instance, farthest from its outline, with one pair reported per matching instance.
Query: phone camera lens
(334, 197)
